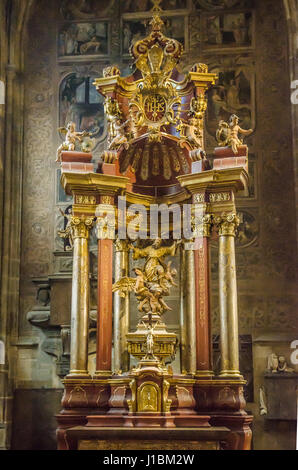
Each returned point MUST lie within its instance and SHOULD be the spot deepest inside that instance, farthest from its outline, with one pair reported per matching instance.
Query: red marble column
(203, 327)
(104, 307)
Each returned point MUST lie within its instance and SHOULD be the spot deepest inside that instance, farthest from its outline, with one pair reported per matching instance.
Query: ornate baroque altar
(155, 156)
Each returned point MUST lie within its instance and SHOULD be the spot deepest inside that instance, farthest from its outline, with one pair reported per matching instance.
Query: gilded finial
(156, 23)
(156, 6)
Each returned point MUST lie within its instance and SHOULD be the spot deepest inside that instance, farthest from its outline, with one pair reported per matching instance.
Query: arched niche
(79, 102)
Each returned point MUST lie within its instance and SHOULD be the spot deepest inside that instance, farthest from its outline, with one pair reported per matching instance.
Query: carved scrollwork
(200, 68)
(80, 226)
(227, 224)
(202, 225)
(110, 71)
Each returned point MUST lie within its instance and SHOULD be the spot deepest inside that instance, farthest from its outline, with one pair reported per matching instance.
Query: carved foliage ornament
(202, 225)
(80, 226)
(85, 199)
(227, 224)
(220, 197)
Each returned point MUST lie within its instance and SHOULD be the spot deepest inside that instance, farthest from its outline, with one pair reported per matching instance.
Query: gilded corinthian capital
(122, 245)
(207, 224)
(202, 225)
(80, 226)
(227, 224)
(76, 227)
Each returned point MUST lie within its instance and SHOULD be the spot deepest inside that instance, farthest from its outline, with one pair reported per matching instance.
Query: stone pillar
(229, 341)
(190, 309)
(203, 312)
(104, 308)
(80, 227)
(121, 309)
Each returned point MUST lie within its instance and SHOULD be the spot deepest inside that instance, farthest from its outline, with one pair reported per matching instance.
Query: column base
(103, 373)
(78, 374)
(230, 374)
(204, 374)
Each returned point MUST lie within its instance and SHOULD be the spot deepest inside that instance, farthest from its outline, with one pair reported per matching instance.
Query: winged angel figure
(153, 282)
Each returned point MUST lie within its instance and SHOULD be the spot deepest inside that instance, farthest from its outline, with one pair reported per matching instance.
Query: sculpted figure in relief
(283, 366)
(117, 135)
(66, 234)
(278, 364)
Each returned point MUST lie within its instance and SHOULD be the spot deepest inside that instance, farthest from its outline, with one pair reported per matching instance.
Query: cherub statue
(71, 137)
(227, 133)
(192, 133)
(116, 128)
(143, 294)
(66, 233)
(167, 280)
(119, 132)
(139, 286)
(157, 289)
(283, 366)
